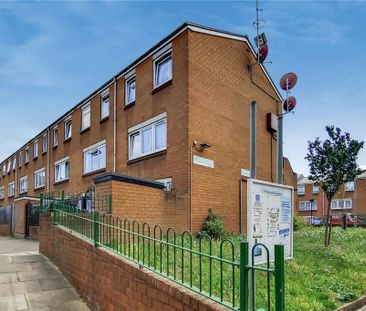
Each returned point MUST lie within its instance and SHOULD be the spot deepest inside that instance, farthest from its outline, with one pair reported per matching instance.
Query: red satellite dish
(288, 81)
(289, 104)
(263, 52)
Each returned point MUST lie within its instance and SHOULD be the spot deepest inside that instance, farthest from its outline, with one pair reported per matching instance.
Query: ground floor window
(23, 184)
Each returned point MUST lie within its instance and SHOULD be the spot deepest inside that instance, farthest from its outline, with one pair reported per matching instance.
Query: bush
(298, 223)
(213, 226)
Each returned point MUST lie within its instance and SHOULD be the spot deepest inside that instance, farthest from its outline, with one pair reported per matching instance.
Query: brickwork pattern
(108, 282)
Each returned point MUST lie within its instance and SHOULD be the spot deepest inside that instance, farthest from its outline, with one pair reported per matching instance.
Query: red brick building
(350, 199)
(179, 114)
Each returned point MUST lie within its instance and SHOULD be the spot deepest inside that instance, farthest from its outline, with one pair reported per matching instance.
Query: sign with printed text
(203, 161)
(270, 218)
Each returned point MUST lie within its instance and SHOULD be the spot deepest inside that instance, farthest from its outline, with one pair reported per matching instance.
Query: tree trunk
(327, 225)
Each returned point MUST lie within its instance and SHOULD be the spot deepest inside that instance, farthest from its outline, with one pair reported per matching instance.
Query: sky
(54, 54)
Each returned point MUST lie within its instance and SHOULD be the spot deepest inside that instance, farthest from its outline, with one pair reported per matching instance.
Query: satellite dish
(289, 104)
(263, 52)
(288, 81)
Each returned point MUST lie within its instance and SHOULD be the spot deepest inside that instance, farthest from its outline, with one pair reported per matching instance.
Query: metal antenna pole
(257, 24)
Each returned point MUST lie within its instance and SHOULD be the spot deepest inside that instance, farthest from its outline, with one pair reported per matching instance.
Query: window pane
(147, 140)
(104, 109)
(55, 137)
(135, 144)
(160, 135)
(102, 156)
(164, 71)
(131, 91)
(85, 122)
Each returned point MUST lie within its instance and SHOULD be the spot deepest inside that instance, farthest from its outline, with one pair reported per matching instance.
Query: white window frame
(129, 78)
(85, 113)
(23, 185)
(335, 204)
(55, 136)
(300, 192)
(92, 149)
(11, 189)
(66, 122)
(159, 58)
(104, 96)
(26, 156)
(349, 186)
(59, 163)
(35, 149)
(14, 166)
(305, 206)
(4, 169)
(20, 156)
(2, 192)
(139, 128)
(316, 189)
(44, 143)
(8, 170)
(40, 171)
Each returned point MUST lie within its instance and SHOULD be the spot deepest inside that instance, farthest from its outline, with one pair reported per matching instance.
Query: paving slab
(30, 282)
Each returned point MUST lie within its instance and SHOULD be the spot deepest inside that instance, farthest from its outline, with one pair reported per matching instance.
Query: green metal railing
(214, 269)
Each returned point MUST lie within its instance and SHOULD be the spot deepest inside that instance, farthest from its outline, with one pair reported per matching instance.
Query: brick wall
(145, 203)
(5, 230)
(109, 282)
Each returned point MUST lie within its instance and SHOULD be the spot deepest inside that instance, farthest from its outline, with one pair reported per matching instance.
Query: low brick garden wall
(110, 282)
(5, 230)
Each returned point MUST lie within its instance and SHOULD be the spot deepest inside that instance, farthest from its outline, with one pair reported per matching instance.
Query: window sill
(61, 182)
(39, 188)
(151, 155)
(129, 105)
(67, 140)
(2, 199)
(54, 147)
(104, 119)
(44, 152)
(26, 163)
(84, 130)
(35, 158)
(23, 193)
(161, 86)
(94, 172)
(11, 196)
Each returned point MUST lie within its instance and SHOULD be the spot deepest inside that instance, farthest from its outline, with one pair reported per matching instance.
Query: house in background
(311, 199)
(168, 136)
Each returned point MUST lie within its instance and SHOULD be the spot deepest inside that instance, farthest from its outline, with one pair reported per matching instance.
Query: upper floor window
(95, 157)
(339, 204)
(62, 170)
(4, 169)
(300, 189)
(147, 137)
(85, 117)
(44, 143)
(308, 206)
(350, 186)
(315, 189)
(2, 192)
(20, 155)
(11, 189)
(163, 68)
(39, 178)
(23, 184)
(104, 104)
(35, 149)
(130, 88)
(26, 158)
(14, 163)
(9, 166)
(68, 128)
(55, 136)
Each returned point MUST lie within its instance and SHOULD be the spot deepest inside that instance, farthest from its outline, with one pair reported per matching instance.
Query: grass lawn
(320, 278)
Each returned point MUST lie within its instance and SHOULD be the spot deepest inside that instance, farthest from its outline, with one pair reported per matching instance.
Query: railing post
(280, 277)
(41, 201)
(96, 228)
(62, 199)
(244, 276)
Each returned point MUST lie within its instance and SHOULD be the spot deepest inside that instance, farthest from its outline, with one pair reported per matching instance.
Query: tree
(332, 163)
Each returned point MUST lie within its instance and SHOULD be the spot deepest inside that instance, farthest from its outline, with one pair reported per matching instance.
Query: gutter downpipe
(114, 123)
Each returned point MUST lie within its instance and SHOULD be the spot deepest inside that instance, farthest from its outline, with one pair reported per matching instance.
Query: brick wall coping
(129, 179)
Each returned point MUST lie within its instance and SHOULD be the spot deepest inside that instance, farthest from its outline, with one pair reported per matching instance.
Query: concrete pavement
(29, 281)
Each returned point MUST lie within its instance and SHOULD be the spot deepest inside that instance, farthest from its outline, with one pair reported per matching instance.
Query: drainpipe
(241, 205)
(253, 139)
(280, 149)
(114, 123)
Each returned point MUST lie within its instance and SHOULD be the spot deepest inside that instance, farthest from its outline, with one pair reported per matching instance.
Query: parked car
(337, 220)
